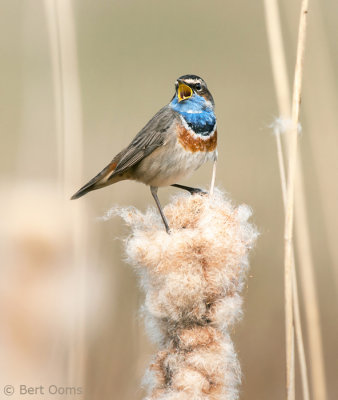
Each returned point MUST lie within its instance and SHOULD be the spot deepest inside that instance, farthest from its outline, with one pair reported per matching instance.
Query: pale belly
(170, 164)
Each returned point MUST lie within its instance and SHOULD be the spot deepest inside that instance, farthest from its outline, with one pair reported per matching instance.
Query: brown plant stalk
(302, 235)
(68, 118)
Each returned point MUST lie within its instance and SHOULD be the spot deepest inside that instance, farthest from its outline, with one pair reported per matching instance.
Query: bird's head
(190, 87)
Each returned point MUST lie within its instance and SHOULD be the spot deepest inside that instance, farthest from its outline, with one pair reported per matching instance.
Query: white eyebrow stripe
(191, 80)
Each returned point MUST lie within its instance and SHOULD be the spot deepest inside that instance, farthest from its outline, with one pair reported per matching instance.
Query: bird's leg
(191, 190)
(153, 190)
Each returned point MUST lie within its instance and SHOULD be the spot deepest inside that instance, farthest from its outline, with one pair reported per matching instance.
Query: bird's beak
(184, 92)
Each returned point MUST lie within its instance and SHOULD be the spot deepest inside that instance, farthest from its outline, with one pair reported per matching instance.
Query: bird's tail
(104, 178)
(84, 190)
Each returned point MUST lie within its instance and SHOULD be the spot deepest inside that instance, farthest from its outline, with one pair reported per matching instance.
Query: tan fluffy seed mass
(192, 281)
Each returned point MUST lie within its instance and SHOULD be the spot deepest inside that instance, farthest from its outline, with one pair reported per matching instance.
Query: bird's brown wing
(152, 136)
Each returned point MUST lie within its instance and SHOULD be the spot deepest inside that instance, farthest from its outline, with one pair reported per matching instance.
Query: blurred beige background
(69, 303)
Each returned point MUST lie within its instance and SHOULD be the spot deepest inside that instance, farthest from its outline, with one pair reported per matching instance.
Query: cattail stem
(289, 213)
(283, 97)
(299, 334)
(302, 235)
(213, 178)
(55, 55)
(68, 116)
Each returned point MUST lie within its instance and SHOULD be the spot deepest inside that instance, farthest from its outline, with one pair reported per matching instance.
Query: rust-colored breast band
(192, 142)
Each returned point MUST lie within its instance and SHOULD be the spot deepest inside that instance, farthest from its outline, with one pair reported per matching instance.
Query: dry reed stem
(213, 179)
(302, 233)
(55, 55)
(282, 92)
(296, 306)
(310, 295)
(280, 76)
(283, 96)
(61, 30)
(299, 335)
(306, 265)
(289, 214)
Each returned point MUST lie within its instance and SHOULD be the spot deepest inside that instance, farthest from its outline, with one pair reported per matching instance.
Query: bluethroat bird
(175, 142)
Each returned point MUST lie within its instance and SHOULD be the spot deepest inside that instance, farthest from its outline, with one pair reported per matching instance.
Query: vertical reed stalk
(61, 30)
(299, 334)
(296, 306)
(55, 55)
(213, 179)
(302, 235)
(289, 214)
(283, 96)
(310, 295)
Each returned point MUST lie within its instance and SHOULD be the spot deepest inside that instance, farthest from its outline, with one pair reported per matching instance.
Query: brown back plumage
(152, 136)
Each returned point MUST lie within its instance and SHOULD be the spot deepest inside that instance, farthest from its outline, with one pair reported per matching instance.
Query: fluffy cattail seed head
(192, 281)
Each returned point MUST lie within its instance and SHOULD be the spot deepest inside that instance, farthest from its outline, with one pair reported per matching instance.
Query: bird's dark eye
(198, 86)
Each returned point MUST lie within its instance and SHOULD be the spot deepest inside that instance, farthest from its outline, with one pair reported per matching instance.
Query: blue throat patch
(198, 115)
